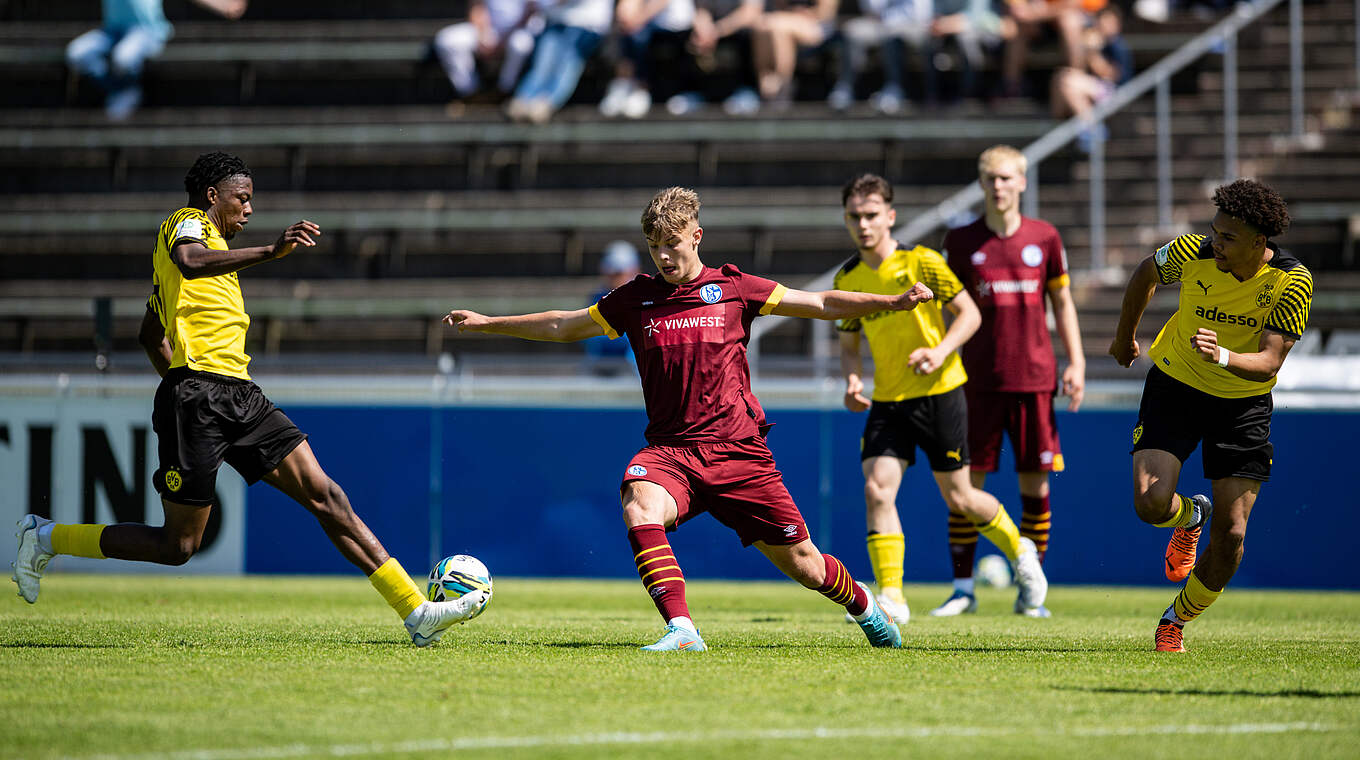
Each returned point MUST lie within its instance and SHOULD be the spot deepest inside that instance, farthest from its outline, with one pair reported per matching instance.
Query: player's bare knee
(178, 549)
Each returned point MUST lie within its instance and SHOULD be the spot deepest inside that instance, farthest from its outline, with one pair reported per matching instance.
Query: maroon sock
(840, 588)
(659, 571)
(963, 538)
(1035, 521)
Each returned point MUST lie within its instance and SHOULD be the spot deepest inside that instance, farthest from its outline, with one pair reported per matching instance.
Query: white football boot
(31, 560)
(1029, 576)
(429, 621)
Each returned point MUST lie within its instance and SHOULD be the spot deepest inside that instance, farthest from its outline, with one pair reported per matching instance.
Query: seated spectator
(974, 27)
(782, 32)
(722, 28)
(607, 357)
(644, 25)
(892, 26)
(132, 32)
(1068, 18)
(1109, 63)
(573, 31)
(496, 32)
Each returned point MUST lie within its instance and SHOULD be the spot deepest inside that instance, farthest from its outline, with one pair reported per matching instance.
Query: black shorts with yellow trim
(938, 425)
(203, 419)
(1234, 432)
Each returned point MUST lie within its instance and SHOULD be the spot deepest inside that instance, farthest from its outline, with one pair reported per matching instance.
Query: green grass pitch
(196, 668)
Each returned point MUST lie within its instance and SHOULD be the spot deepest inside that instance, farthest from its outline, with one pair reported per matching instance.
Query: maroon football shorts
(736, 482)
(1028, 419)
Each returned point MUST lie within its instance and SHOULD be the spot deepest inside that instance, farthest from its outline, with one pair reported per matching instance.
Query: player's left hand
(1074, 386)
(918, 293)
(1205, 341)
(924, 361)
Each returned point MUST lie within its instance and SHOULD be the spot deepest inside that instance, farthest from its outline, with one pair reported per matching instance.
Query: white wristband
(1223, 355)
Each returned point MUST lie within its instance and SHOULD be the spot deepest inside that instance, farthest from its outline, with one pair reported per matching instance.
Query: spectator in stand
(722, 29)
(644, 25)
(573, 31)
(892, 26)
(605, 357)
(132, 32)
(975, 27)
(1109, 63)
(496, 32)
(1068, 18)
(789, 27)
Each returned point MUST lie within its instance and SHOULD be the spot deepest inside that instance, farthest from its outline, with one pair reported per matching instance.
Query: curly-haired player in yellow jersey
(1244, 302)
(207, 411)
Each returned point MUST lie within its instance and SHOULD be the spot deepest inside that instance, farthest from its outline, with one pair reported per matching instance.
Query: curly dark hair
(867, 184)
(1254, 203)
(211, 168)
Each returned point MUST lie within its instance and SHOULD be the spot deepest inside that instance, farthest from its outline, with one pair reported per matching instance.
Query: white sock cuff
(964, 585)
(45, 538)
(680, 621)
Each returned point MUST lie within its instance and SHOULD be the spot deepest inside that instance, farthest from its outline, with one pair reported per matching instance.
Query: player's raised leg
(1227, 530)
(300, 476)
(648, 509)
(825, 574)
(1155, 473)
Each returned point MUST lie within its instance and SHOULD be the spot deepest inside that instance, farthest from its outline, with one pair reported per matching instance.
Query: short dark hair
(211, 168)
(1254, 203)
(867, 184)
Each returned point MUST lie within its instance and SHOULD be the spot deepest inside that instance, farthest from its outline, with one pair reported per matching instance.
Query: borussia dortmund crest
(1264, 298)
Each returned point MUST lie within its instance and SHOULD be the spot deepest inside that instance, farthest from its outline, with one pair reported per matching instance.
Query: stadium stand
(345, 124)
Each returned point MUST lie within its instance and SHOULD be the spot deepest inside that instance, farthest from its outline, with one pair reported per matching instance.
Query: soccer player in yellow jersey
(208, 411)
(1244, 302)
(918, 395)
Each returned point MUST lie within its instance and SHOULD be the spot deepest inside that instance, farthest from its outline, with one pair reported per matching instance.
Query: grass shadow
(1288, 693)
(57, 645)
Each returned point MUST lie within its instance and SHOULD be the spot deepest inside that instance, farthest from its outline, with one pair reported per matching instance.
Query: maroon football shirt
(690, 342)
(1009, 279)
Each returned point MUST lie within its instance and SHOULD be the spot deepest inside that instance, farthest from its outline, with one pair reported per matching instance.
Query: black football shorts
(1234, 432)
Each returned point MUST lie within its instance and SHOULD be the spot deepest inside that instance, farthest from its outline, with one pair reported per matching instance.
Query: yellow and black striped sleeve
(185, 224)
(838, 283)
(937, 275)
(1172, 257)
(1290, 315)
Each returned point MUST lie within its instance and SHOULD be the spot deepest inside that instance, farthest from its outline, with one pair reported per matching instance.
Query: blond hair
(670, 211)
(999, 154)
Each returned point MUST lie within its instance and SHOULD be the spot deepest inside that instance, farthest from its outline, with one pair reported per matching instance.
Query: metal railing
(1221, 38)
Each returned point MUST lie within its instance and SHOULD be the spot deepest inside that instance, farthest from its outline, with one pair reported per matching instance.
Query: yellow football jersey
(204, 318)
(893, 335)
(1276, 298)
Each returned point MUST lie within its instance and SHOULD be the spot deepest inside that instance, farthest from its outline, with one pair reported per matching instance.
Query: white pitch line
(670, 737)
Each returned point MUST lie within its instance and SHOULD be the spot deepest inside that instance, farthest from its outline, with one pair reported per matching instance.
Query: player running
(208, 411)
(706, 452)
(1244, 302)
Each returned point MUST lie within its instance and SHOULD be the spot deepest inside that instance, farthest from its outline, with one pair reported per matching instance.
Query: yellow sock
(401, 593)
(886, 554)
(1002, 532)
(1194, 598)
(77, 540)
(1183, 515)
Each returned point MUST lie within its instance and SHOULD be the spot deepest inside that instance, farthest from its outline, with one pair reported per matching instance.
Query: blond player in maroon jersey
(689, 325)
(1013, 267)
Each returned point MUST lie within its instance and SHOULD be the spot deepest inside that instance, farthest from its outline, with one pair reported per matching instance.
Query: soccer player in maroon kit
(706, 451)
(1009, 263)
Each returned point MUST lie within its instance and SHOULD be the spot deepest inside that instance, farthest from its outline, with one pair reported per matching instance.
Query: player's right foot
(1169, 637)
(878, 625)
(1180, 550)
(429, 621)
(1029, 576)
(677, 639)
(957, 604)
(31, 560)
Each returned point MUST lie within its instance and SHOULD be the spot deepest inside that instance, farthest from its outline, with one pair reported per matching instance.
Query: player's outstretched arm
(844, 304)
(1124, 347)
(555, 326)
(197, 260)
(152, 338)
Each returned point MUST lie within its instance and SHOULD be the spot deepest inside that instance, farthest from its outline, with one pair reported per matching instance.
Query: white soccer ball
(994, 571)
(458, 575)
